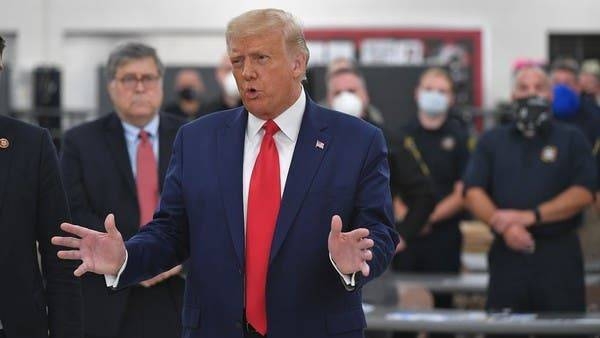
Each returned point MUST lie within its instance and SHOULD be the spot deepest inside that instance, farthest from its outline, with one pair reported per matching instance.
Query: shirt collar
(289, 121)
(132, 132)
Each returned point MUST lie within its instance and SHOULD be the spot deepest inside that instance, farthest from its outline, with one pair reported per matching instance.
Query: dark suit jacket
(99, 180)
(201, 217)
(32, 206)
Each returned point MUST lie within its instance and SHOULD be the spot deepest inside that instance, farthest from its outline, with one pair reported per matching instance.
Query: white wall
(76, 34)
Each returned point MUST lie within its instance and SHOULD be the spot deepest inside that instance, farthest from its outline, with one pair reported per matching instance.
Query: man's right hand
(101, 253)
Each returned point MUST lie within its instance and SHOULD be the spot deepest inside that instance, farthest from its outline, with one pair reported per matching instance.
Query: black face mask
(188, 94)
(532, 114)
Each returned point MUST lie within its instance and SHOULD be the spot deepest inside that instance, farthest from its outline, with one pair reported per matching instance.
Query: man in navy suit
(34, 303)
(283, 207)
(116, 164)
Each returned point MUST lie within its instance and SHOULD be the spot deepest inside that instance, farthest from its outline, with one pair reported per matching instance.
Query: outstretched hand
(100, 252)
(350, 250)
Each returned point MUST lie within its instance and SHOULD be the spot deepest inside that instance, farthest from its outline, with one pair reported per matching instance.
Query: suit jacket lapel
(167, 130)
(6, 159)
(311, 146)
(230, 152)
(115, 138)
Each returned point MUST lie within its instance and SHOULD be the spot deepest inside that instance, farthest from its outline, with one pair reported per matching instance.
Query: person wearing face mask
(441, 142)
(347, 92)
(189, 91)
(571, 105)
(530, 181)
(229, 96)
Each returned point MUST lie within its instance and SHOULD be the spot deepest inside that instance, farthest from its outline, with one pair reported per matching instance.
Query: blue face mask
(566, 102)
(432, 103)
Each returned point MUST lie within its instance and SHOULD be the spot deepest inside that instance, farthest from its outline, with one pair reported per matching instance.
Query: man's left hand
(350, 251)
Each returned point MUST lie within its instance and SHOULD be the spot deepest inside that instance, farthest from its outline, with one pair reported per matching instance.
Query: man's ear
(110, 88)
(299, 64)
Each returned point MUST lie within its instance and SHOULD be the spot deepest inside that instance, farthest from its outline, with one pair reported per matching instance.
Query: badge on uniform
(549, 154)
(448, 143)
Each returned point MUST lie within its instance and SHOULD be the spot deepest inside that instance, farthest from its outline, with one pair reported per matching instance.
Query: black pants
(549, 280)
(437, 252)
(2, 335)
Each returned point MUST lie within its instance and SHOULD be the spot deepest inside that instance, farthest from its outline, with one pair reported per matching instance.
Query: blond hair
(436, 72)
(263, 21)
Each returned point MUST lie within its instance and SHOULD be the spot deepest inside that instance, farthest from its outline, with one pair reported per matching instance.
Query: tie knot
(270, 127)
(144, 135)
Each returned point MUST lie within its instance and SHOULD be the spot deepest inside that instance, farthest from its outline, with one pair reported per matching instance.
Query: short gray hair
(566, 64)
(530, 68)
(342, 71)
(128, 52)
(260, 21)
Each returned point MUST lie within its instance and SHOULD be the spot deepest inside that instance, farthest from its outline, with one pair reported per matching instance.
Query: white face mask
(432, 103)
(230, 86)
(348, 103)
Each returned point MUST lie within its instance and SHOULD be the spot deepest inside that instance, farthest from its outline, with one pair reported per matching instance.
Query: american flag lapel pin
(320, 145)
(4, 143)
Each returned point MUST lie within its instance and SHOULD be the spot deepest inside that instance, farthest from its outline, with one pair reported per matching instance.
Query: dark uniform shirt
(445, 154)
(173, 108)
(522, 173)
(588, 121)
(408, 182)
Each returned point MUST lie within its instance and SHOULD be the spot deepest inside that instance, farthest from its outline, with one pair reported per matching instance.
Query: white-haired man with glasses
(116, 164)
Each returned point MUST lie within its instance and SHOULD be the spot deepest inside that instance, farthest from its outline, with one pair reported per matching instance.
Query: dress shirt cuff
(113, 281)
(349, 280)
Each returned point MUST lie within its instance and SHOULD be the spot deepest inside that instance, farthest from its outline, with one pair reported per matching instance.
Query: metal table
(459, 321)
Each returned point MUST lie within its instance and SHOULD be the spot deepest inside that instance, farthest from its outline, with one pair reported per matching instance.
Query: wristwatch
(538, 215)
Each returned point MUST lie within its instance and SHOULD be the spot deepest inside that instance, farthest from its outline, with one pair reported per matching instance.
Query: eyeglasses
(131, 81)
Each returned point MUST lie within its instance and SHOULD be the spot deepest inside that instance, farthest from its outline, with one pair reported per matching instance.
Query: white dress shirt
(289, 123)
(285, 140)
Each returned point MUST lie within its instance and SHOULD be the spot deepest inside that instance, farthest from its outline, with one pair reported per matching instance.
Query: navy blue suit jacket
(33, 203)
(201, 217)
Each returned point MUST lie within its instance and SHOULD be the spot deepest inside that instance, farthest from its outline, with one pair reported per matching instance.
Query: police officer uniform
(409, 182)
(444, 155)
(518, 172)
(587, 119)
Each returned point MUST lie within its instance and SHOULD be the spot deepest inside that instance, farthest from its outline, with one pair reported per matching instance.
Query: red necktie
(147, 178)
(264, 198)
